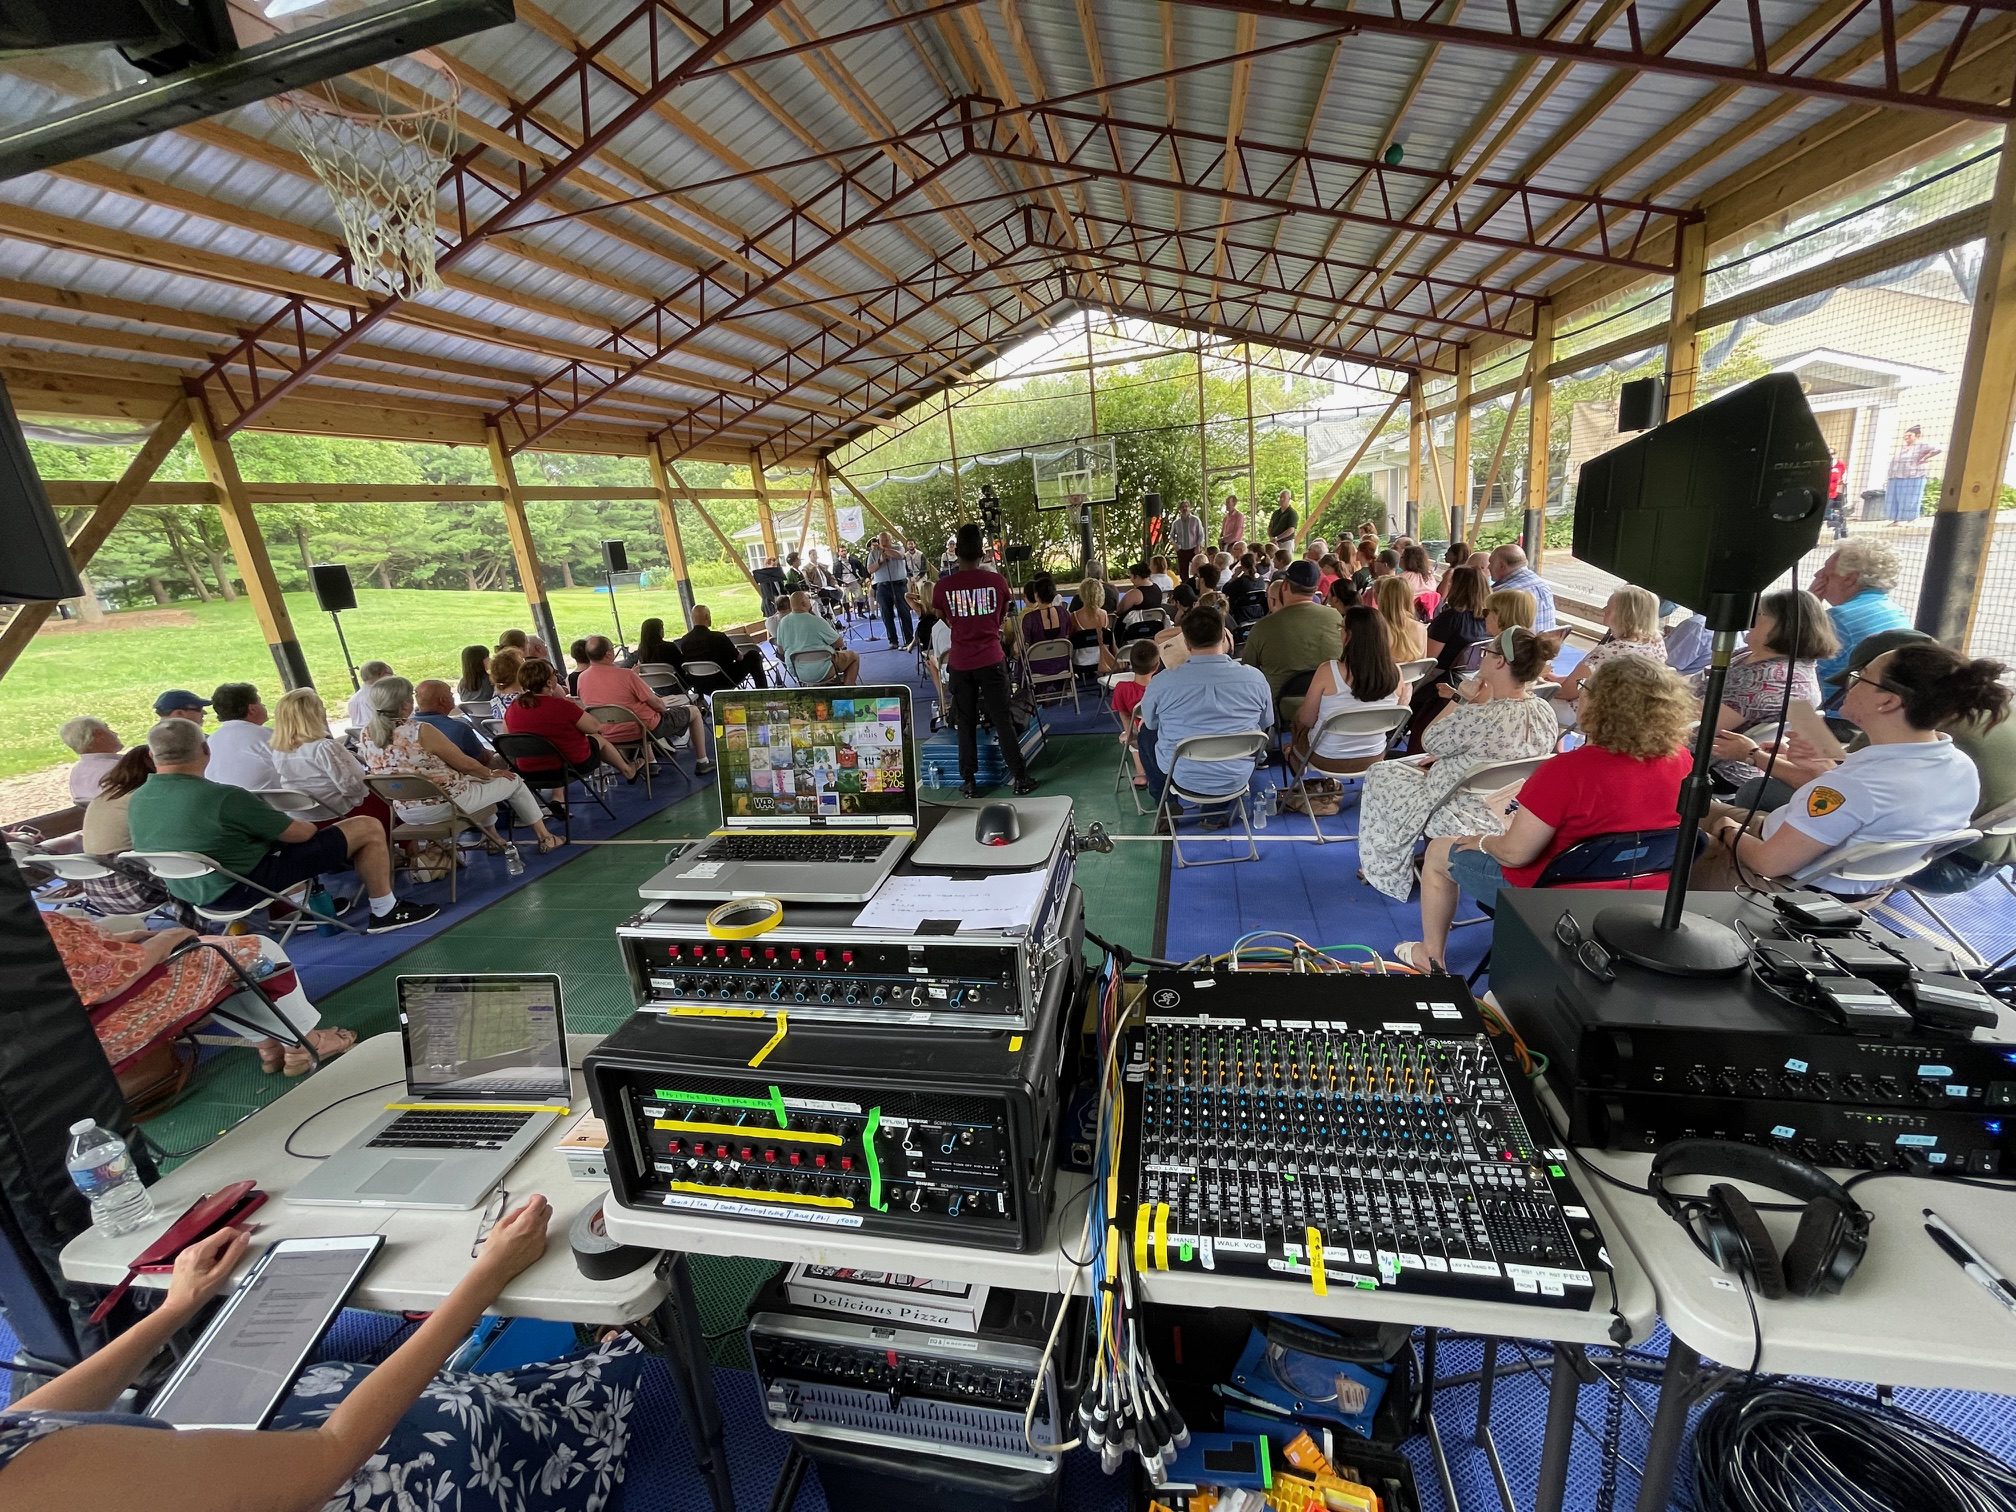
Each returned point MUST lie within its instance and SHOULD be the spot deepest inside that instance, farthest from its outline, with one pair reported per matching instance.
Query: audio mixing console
(1345, 1130)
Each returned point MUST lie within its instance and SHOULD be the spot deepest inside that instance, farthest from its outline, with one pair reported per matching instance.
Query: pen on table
(1970, 1260)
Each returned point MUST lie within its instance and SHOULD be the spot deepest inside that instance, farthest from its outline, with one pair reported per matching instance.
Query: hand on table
(517, 1242)
(202, 1269)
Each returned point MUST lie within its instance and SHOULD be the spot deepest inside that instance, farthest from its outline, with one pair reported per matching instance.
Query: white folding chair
(1996, 824)
(476, 710)
(286, 800)
(1415, 671)
(1481, 783)
(814, 669)
(1060, 681)
(1234, 751)
(1141, 624)
(1885, 867)
(185, 866)
(1385, 722)
(1123, 776)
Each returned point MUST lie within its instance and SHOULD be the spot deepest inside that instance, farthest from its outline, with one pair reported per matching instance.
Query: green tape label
(773, 1104)
(874, 1163)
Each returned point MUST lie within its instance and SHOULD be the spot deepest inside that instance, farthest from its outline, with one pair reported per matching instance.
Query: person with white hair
(394, 743)
(1509, 569)
(97, 746)
(1854, 583)
(358, 710)
(179, 809)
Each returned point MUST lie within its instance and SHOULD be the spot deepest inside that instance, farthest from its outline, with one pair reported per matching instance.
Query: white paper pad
(1000, 901)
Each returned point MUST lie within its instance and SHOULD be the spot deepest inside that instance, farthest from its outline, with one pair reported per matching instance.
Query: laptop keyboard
(797, 848)
(449, 1131)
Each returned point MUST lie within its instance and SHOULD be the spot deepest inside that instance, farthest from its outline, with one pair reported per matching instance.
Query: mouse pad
(951, 846)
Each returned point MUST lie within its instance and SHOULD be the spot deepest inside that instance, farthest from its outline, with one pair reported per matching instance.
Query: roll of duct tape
(599, 1257)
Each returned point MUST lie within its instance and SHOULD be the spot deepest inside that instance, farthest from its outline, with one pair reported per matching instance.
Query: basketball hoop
(381, 168)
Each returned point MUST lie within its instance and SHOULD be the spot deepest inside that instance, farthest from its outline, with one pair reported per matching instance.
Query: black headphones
(1833, 1228)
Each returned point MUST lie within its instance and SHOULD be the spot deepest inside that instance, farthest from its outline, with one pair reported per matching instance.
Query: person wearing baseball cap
(1289, 644)
(180, 703)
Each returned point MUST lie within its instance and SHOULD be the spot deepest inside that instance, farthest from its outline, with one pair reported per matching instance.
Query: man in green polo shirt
(179, 809)
(1289, 644)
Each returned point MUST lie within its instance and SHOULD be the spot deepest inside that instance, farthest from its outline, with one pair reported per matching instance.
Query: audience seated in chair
(604, 682)
(310, 761)
(507, 666)
(434, 705)
(1171, 646)
(97, 748)
(704, 643)
(1454, 555)
(1489, 718)
(241, 747)
(179, 809)
(1635, 719)
(652, 649)
(1416, 571)
(1210, 694)
(1458, 625)
(143, 985)
(549, 1437)
(1395, 603)
(1295, 639)
(1631, 626)
(801, 631)
(394, 743)
(474, 686)
(180, 703)
(1789, 634)
(1855, 582)
(1911, 781)
(131, 889)
(1044, 619)
(1091, 630)
(574, 733)
(358, 710)
(1508, 568)
(1364, 676)
(1143, 662)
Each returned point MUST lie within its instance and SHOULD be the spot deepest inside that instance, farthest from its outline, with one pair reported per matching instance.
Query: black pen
(1970, 1260)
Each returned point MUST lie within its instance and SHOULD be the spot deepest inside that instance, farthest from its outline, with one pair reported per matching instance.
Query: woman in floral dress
(1494, 717)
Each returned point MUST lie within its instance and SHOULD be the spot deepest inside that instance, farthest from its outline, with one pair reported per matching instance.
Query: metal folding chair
(640, 743)
(1414, 671)
(517, 749)
(814, 669)
(1381, 721)
(1234, 750)
(286, 800)
(184, 866)
(406, 787)
(1051, 677)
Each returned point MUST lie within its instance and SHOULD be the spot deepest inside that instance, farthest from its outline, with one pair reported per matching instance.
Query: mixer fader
(1348, 1130)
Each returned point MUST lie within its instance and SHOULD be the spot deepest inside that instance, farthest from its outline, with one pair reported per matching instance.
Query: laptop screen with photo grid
(816, 754)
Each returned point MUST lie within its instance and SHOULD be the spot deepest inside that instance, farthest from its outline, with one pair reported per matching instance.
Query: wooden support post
(833, 541)
(110, 508)
(1683, 338)
(763, 516)
(668, 523)
(241, 529)
(712, 524)
(1203, 445)
(1417, 436)
(523, 552)
(1964, 527)
(952, 445)
(1460, 497)
(1252, 460)
(1316, 510)
(1539, 423)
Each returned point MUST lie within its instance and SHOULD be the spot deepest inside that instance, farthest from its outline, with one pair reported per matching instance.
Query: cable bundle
(1777, 1447)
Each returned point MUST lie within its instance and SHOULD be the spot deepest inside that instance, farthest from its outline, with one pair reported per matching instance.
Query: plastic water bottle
(514, 864)
(102, 1167)
(1263, 808)
(934, 776)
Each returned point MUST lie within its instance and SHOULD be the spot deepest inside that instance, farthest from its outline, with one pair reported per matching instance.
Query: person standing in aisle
(972, 600)
(889, 571)
(1231, 525)
(1283, 524)
(1186, 534)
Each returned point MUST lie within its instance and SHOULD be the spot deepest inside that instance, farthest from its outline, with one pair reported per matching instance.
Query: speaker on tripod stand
(333, 594)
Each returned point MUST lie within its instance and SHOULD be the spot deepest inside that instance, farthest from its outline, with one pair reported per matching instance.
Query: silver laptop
(486, 1076)
(819, 797)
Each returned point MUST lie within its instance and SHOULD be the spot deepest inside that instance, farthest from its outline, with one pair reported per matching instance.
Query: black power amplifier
(934, 1391)
(1345, 1130)
(1719, 1037)
(1931, 1141)
(936, 1134)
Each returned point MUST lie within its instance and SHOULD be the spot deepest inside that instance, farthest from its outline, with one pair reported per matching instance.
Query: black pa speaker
(332, 587)
(1151, 506)
(1641, 404)
(614, 557)
(1709, 509)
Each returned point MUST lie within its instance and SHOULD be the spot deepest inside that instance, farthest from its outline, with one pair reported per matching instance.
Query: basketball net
(381, 168)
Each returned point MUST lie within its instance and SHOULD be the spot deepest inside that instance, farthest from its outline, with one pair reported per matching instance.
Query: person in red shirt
(575, 734)
(1634, 715)
(972, 601)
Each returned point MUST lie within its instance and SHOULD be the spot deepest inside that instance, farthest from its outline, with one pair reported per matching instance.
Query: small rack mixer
(1348, 1130)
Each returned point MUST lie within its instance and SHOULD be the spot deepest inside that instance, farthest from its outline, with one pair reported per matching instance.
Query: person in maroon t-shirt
(972, 601)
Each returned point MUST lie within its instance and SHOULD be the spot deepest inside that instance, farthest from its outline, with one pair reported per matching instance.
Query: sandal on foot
(1413, 955)
(328, 1043)
(551, 843)
(272, 1055)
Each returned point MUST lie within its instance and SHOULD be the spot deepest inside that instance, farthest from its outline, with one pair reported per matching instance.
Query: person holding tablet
(540, 1438)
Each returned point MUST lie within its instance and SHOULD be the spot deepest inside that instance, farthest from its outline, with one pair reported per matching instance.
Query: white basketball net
(381, 169)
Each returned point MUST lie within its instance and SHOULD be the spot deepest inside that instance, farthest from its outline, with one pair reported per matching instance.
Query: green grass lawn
(115, 670)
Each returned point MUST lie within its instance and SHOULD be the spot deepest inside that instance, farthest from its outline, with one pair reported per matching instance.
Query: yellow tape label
(744, 1194)
(1141, 1217)
(1319, 1280)
(771, 1043)
(744, 1131)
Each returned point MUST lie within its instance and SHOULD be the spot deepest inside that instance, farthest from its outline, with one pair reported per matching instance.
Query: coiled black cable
(1777, 1446)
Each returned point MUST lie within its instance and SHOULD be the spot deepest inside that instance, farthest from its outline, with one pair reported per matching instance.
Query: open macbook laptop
(486, 1075)
(819, 797)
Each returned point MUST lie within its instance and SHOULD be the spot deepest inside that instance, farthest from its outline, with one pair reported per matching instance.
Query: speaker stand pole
(1675, 941)
(338, 620)
(609, 581)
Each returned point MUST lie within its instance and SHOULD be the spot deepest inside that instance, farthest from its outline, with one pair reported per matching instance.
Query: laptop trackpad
(396, 1178)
